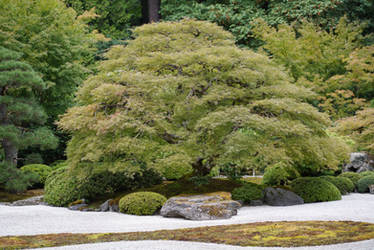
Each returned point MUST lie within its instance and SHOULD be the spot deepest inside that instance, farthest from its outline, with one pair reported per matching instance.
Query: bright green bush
(141, 203)
(174, 167)
(366, 173)
(65, 185)
(40, 169)
(344, 184)
(279, 174)
(364, 183)
(248, 192)
(354, 177)
(315, 189)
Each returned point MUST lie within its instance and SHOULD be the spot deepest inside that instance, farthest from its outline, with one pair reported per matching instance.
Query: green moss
(141, 203)
(315, 189)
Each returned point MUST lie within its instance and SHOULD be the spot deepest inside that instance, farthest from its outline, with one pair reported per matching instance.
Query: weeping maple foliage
(183, 93)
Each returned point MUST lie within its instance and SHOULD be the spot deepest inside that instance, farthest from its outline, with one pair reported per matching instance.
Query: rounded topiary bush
(366, 173)
(279, 174)
(315, 189)
(41, 170)
(354, 177)
(248, 192)
(141, 203)
(344, 184)
(364, 183)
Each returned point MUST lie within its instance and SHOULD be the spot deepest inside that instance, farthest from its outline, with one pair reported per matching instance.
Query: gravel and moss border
(267, 234)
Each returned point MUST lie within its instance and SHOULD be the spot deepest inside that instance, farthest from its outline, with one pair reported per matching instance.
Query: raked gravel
(32, 220)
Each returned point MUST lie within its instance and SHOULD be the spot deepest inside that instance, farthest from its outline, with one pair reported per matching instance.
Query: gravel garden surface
(32, 220)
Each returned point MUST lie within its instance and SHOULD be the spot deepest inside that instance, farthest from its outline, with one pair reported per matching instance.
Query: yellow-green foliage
(183, 93)
(360, 127)
(332, 63)
(279, 174)
(141, 203)
(41, 170)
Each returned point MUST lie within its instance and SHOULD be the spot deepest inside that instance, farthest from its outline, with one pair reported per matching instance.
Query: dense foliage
(14, 180)
(315, 189)
(279, 175)
(42, 171)
(344, 184)
(56, 44)
(354, 177)
(183, 91)
(366, 173)
(64, 185)
(236, 15)
(364, 183)
(141, 203)
(248, 192)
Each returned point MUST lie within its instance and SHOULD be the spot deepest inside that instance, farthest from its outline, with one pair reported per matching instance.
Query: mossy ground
(269, 234)
(9, 197)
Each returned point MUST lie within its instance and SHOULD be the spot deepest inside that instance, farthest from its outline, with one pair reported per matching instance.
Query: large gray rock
(281, 197)
(110, 206)
(35, 200)
(200, 207)
(360, 162)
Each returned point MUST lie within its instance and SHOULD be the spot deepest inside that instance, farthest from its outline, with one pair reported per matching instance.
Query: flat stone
(32, 201)
(281, 197)
(200, 207)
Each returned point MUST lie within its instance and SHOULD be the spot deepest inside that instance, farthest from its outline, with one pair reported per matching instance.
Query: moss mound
(354, 177)
(248, 192)
(315, 189)
(141, 203)
(364, 183)
(344, 184)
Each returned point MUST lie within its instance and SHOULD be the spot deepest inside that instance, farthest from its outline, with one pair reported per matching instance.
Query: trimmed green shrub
(279, 175)
(40, 169)
(315, 189)
(344, 184)
(366, 173)
(364, 183)
(141, 203)
(248, 192)
(354, 177)
(64, 186)
(14, 180)
(174, 167)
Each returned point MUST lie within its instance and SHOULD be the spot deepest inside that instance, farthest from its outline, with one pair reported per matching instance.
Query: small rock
(371, 189)
(281, 197)
(79, 205)
(36, 200)
(200, 207)
(105, 206)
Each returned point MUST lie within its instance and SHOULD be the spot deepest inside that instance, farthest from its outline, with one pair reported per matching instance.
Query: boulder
(200, 207)
(79, 205)
(109, 206)
(281, 197)
(36, 200)
(360, 162)
(371, 189)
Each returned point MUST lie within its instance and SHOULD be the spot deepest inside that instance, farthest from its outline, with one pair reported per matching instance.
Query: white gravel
(32, 220)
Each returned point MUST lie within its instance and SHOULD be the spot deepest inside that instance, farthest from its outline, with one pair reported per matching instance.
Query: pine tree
(183, 93)
(21, 117)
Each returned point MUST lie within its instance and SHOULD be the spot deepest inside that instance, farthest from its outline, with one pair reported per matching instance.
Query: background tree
(151, 10)
(184, 93)
(21, 116)
(57, 45)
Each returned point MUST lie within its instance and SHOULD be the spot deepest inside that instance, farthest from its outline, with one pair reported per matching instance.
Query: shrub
(314, 189)
(65, 185)
(141, 203)
(354, 177)
(41, 170)
(174, 167)
(344, 184)
(366, 173)
(33, 158)
(279, 174)
(364, 183)
(14, 180)
(248, 192)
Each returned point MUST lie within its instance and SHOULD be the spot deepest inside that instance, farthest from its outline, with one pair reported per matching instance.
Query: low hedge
(141, 203)
(248, 192)
(315, 189)
(354, 177)
(344, 184)
(366, 173)
(364, 183)
(41, 170)
(64, 186)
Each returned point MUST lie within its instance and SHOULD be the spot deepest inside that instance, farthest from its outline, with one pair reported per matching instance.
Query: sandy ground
(31, 220)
